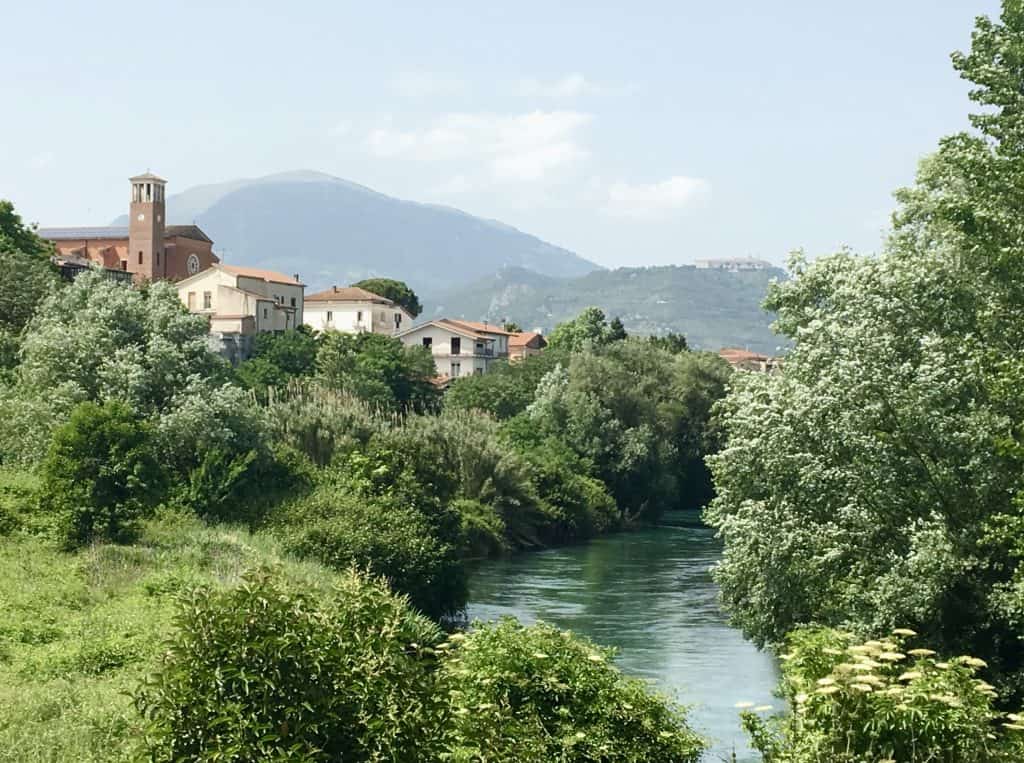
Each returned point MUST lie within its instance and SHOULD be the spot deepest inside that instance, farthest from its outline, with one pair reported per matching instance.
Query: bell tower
(147, 257)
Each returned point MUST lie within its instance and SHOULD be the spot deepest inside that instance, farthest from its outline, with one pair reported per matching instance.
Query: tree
(671, 342)
(397, 291)
(616, 331)
(378, 369)
(512, 327)
(26, 278)
(587, 329)
(276, 358)
(100, 474)
(876, 483)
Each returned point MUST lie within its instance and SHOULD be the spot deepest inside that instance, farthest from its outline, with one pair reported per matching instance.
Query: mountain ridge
(337, 231)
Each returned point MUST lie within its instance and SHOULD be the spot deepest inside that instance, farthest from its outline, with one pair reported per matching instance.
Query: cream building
(242, 302)
(460, 348)
(354, 310)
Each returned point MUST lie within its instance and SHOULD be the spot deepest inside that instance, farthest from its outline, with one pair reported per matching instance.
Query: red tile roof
(523, 339)
(488, 328)
(348, 294)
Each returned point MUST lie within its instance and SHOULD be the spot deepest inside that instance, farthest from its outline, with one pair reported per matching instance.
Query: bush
(19, 498)
(268, 672)
(100, 474)
(540, 694)
(878, 700)
(400, 540)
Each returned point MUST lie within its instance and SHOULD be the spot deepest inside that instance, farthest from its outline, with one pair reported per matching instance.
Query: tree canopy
(397, 291)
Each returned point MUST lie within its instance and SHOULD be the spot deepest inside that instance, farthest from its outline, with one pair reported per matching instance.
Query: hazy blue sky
(633, 133)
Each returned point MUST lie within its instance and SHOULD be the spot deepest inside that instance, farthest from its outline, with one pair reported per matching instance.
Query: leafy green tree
(397, 291)
(512, 326)
(276, 358)
(876, 482)
(378, 369)
(588, 329)
(273, 671)
(506, 389)
(671, 342)
(538, 694)
(15, 236)
(101, 473)
(616, 331)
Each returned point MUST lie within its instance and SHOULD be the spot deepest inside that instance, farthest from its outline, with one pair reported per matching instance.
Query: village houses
(351, 309)
(460, 348)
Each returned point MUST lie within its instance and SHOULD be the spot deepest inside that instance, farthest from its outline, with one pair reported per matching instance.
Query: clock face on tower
(141, 217)
(192, 264)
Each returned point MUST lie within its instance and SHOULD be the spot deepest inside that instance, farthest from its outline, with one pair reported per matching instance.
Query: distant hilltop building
(733, 264)
(147, 247)
(353, 310)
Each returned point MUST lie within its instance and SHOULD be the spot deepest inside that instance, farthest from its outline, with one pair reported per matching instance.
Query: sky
(640, 133)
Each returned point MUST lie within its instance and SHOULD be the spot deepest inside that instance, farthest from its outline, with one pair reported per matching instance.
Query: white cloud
(656, 199)
(517, 147)
(569, 86)
(426, 84)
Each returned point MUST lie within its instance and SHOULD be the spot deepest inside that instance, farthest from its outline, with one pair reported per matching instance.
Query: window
(140, 258)
(264, 313)
(158, 258)
(456, 370)
(398, 320)
(330, 316)
(359, 316)
(124, 264)
(427, 341)
(456, 345)
(293, 301)
(207, 300)
(191, 300)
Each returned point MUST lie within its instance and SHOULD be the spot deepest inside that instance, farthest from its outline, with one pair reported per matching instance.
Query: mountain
(332, 231)
(713, 308)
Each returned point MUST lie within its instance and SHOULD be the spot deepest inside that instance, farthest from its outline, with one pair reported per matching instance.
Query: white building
(353, 310)
(733, 264)
(460, 348)
(242, 302)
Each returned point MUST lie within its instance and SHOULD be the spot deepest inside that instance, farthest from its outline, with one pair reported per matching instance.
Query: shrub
(393, 538)
(879, 700)
(19, 498)
(268, 672)
(100, 474)
(540, 694)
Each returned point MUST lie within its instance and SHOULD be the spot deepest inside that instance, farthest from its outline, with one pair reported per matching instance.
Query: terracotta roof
(735, 355)
(450, 325)
(264, 275)
(488, 328)
(523, 338)
(348, 294)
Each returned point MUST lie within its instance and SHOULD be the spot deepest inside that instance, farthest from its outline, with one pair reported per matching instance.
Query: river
(647, 593)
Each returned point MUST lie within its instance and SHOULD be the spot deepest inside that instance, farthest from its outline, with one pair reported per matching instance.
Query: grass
(78, 632)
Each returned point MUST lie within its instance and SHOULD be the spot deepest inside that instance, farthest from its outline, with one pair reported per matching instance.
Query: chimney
(296, 276)
(335, 289)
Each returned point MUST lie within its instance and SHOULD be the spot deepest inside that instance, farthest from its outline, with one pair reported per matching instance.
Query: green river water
(647, 593)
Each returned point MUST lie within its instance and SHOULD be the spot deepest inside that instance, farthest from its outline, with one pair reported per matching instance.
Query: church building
(147, 248)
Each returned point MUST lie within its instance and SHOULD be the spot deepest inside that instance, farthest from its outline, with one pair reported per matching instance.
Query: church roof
(187, 231)
(60, 234)
(118, 231)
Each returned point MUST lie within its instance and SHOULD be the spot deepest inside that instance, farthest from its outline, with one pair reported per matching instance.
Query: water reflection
(649, 594)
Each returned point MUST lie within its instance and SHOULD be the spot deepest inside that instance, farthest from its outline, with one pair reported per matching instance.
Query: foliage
(15, 236)
(506, 389)
(19, 499)
(25, 280)
(271, 672)
(378, 369)
(397, 291)
(276, 358)
(587, 330)
(371, 513)
(879, 700)
(670, 342)
(541, 694)
(878, 477)
(100, 474)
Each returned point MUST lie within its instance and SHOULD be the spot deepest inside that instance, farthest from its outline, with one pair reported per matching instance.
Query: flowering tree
(874, 482)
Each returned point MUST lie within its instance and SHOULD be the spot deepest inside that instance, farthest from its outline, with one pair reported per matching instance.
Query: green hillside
(712, 308)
